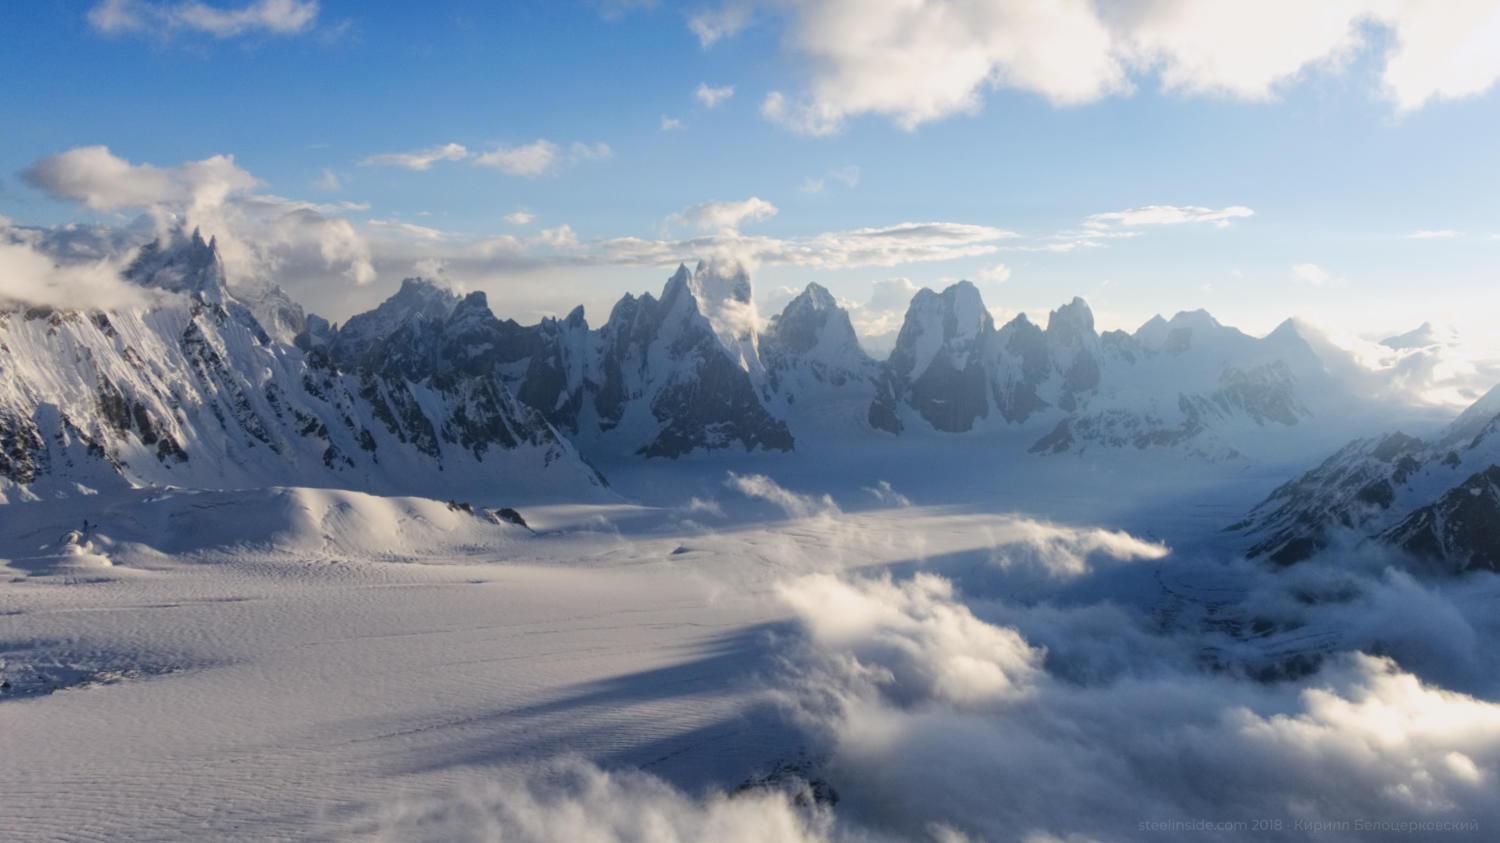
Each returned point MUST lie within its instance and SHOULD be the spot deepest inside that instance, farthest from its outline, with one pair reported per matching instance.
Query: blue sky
(1296, 170)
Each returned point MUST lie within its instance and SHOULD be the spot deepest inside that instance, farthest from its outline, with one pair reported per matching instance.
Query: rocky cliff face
(938, 367)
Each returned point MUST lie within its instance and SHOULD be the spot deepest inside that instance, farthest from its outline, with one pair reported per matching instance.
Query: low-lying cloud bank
(933, 716)
(1122, 694)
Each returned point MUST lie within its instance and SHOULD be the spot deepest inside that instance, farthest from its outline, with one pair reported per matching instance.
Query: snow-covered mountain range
(195, 392)
(430, 393)
(1436, 499)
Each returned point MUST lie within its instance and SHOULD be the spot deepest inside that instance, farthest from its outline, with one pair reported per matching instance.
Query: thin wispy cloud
(541, 157)
(997, 274)
(712, 97)
(1168, 215)
(537, 158)
(1312, 274)
(268, 17)
(670, 124)
(713, 25)
(329, 181)
(520, 217)
(847, 176)
(422, 159)
(579, 152)
(884, 246)
(1433, 234)
(1059, 246)
(418, 232)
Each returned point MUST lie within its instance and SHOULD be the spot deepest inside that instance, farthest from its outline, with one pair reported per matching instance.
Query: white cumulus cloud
(715, 215)
(914, 61)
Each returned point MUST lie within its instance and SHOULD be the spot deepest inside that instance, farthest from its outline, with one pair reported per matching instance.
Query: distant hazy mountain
(1187, 383)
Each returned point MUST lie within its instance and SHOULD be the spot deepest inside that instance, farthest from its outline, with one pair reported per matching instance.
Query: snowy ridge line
(431, 394)
(1437, 500)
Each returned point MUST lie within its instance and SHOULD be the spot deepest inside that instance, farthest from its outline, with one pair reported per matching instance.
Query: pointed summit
(720, 291)
(677, 285)
(418, 298)
(1199, 319)
(1071, 323)
(815, 296)
(1192, 328)
(937, 366)
(1152, 333)
(417, 304)
(182, 264)
(1423, 336)
(813, 320)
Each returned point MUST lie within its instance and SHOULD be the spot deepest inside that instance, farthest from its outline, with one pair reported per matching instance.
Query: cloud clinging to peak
(260, 234)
